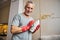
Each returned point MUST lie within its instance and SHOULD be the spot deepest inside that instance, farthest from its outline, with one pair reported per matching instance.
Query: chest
(24, 21)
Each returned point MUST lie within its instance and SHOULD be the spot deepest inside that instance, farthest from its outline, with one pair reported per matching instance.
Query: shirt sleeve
(15, 20)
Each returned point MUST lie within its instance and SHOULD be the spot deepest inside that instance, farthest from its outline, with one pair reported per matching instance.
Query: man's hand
(35, 26)
(15, 29)
(25, 28)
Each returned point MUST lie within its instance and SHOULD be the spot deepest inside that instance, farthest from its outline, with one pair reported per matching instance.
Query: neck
(26, 14)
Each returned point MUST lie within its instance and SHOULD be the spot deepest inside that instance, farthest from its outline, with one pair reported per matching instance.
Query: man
(22, 23)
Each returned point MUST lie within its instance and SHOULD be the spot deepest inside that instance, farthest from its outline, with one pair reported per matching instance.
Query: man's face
(29, 9)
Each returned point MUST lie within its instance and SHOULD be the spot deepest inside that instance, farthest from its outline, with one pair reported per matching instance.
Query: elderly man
(22, 22)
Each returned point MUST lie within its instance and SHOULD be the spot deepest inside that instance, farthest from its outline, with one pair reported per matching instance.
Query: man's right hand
(15, 29)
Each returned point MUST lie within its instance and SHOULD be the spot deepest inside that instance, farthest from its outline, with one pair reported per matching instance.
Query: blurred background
(4, 16)
(47, 11)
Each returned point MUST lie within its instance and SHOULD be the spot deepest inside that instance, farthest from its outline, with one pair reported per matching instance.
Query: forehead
(30, 5)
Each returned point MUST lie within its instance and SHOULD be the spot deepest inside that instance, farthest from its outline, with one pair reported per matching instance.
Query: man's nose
(30, 10)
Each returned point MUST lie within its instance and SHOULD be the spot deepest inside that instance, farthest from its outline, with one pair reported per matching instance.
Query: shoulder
(17, 16)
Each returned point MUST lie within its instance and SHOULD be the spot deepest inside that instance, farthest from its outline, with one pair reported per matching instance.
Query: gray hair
(28, 3)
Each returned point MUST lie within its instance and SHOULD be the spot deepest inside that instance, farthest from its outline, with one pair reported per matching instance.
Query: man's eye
(28, 7)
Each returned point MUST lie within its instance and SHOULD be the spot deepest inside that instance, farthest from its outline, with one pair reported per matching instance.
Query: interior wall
(0, 13)
(50, 25)
(4, 13)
